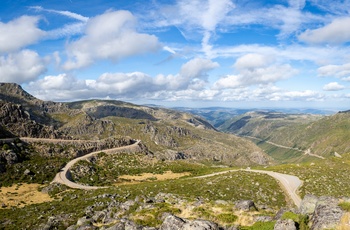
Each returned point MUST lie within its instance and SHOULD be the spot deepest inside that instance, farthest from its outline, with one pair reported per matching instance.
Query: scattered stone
(285, 225)
(263, 218)
(221, 202)
(246, 205)
(28, 172)
(200, 225)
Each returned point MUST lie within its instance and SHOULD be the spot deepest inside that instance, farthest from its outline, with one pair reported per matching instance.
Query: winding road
(289, 183)
(64, 176)
(307, 152)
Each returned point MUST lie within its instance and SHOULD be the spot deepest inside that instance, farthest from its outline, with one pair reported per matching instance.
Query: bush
(345, 206)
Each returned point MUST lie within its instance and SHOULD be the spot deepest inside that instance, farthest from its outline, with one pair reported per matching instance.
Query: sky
(191, 53)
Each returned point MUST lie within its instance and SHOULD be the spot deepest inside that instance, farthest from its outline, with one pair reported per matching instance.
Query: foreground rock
(327, 214)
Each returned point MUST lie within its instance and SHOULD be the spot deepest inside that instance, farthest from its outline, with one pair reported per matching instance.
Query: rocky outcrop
(308, 204)
(327, 214)
(285, 225)
(246, 205)
(19, 122)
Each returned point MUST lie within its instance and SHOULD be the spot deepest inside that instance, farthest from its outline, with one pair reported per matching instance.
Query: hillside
(322, 135)
(168, 134)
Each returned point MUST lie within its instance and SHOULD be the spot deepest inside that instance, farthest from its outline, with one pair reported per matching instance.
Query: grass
(260, 226)
(108, 168)
(345, 206)
(321, 178)
(230, 187)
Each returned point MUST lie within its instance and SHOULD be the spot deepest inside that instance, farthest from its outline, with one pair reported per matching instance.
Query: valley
(103, 164)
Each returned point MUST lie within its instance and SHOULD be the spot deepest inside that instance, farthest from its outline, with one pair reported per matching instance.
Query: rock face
(327, 214)
(308, 204)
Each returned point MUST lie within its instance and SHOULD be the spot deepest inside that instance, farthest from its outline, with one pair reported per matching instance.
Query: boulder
(172, 223)
(246, 205)
(327, 214)
(200, 225)
(308, 204)
(285, 225)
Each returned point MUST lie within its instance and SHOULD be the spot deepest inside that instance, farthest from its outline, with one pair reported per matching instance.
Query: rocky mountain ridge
(164, 131)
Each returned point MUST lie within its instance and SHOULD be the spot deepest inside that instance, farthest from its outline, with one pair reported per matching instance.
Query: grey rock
(327, 214)
(27, 172)
(172, 223)
(246, 205)
(285, 225)
(84, 221)
(200, 225)
(125, 225)
(263, 218)
(308, 204)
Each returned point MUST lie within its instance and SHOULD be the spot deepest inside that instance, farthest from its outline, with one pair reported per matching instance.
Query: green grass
(230, 187)
(345, 206)
(283, 155)
(260, 226)
(328, 177)
(108, 167)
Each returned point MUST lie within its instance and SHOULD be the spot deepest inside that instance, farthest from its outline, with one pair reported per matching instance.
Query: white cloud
(19, 33)
(251, 61)
(196, 18)
(334, 70)
(254, 69)
(133, 85)
(333, 86)
(197, 68)
(336, 32)
(21, 67)
(111, 36)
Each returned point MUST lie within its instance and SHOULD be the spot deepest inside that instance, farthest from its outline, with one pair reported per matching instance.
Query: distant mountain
(217, 116)
(323, 135)
(169, 134)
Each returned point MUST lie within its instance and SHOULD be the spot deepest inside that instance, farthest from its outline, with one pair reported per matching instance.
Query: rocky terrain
(167, 133)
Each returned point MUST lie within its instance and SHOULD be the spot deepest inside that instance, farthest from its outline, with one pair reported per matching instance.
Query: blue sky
(194, 53)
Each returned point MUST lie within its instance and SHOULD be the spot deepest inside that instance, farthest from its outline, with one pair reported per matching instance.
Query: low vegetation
(321, 178)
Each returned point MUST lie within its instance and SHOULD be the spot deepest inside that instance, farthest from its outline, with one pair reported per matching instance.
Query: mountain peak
(16, 94)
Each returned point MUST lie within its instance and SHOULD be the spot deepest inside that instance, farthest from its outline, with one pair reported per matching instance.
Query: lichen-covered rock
(308, 204)
(285, 225)
(327, 214)
(172, 223)
(200, 225)
(246, 205)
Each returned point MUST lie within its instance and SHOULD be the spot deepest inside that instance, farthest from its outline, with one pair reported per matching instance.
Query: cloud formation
(19, 33)
(254, 69)
(334, 33)
(21, 67)
(125, 85)
(110, 36)
(333, 86)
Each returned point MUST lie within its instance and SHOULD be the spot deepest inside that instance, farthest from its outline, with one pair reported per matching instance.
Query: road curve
(289, 183)
(307, 152)
(64, 176)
